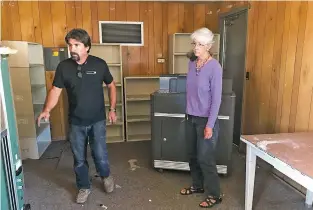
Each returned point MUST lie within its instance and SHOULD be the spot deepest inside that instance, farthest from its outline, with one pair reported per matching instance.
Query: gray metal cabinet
(168, 134)
(170, 139)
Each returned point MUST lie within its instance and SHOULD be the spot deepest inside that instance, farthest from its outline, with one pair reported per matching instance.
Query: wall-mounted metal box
(53, 56)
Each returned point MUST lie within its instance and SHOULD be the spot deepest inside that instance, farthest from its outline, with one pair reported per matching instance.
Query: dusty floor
(50, 184)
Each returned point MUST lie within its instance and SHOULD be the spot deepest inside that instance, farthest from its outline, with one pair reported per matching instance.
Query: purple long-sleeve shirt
(204, 91)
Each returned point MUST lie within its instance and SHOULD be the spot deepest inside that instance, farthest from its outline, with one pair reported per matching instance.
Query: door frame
(221, 20)
(221, 26)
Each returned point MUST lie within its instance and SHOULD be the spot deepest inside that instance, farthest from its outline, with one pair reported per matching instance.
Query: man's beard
(75, 56)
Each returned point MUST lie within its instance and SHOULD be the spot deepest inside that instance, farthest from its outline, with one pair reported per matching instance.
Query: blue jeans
(201, 153)
(79, 136)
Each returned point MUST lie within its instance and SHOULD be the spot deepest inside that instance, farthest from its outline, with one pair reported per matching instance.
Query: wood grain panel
(304, 111)
(15, 20)
(47, 22)
(58, 16)
(298, 65)
(211, 16)
(151, 35)
(133, 53)
(276, 66)
(290, 65)
(199, 19)
(188, 21)
(181, 15)
(278, 96)
(27, 22)
(94, 22)
(158, 37)
(6, 22)
(249, 96)
(86, 16)
(36, 19)
(120, 8)
(266, 69)
(256, 82)
(165, 35)
(144, 53)
(283, 66)
(79, 12)
(71, 15)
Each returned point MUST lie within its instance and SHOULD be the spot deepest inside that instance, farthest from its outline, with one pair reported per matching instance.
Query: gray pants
(201, 154)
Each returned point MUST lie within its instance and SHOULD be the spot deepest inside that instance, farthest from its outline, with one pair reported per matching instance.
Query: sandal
(210, 201)
(191, 190)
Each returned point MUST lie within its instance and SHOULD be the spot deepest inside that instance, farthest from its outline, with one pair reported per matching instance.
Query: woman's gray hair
(203, 36)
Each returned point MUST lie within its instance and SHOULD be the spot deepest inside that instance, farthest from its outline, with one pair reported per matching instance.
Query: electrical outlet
(161, 60)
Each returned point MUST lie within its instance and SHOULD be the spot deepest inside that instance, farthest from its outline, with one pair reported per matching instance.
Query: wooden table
(289, 153)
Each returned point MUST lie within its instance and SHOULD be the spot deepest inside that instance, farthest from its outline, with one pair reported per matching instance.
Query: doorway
(233, 30)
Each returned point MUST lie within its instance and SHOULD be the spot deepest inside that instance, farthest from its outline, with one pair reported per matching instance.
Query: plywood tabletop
(294, 149)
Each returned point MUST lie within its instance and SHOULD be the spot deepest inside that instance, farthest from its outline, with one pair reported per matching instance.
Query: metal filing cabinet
(168, 130)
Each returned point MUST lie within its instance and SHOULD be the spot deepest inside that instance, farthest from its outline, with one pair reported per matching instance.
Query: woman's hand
(207, 133)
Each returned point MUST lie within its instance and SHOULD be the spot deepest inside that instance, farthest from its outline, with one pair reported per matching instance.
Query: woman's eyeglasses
(197, 44)
(79, 71)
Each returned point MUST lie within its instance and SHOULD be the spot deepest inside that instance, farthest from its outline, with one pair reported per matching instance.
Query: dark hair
(191, 55)
(80, 35)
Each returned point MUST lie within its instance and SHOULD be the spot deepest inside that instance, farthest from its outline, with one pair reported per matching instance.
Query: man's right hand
(44, 115)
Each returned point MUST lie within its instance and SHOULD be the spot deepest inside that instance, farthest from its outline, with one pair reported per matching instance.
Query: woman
(204, 92)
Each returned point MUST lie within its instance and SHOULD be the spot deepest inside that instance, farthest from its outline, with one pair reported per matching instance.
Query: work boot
(108, 184)
(83, 195)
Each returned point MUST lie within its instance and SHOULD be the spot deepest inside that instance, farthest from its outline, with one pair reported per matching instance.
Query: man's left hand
(112, 117)
(207, 133)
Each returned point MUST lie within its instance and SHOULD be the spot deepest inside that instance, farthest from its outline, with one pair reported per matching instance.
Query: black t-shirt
(85, 95)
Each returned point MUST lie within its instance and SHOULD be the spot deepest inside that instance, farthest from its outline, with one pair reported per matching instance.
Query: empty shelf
(139, 137)
(143, 97)
(138, 118)
(111, 139)
(36, 65)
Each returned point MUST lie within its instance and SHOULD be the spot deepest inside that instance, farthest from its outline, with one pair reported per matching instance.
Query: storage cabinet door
(173, 139)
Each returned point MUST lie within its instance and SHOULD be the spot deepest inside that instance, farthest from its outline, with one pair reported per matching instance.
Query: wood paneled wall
(47, 22)
(278, 96)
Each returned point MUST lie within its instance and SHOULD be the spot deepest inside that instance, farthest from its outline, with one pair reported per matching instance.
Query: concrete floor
(50, 184)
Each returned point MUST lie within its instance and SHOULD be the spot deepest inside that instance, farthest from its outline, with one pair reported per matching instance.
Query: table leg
(250, 175)
(309, 199)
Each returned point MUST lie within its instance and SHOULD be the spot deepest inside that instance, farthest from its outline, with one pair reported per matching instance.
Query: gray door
(234, 29)
(174, 139)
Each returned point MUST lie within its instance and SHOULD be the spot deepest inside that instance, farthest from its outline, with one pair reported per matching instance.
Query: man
(83, 75)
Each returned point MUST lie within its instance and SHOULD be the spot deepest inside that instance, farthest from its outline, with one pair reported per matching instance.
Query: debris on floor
(103, 206)
(132, 163)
